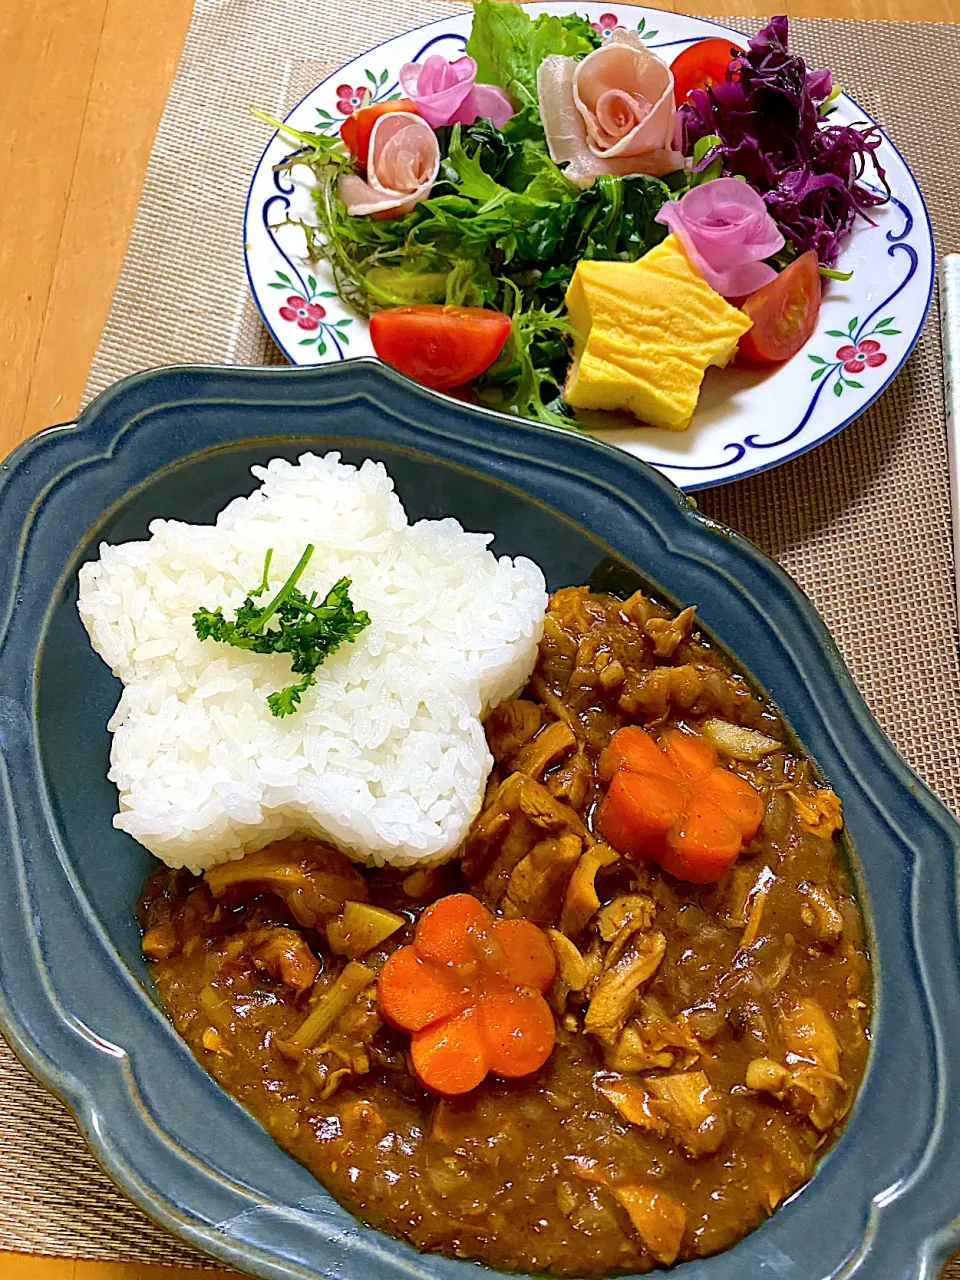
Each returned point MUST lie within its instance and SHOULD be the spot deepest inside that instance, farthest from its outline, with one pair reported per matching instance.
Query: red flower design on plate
(607, 24)
(857, 358)
(307, 314)
(349, 100)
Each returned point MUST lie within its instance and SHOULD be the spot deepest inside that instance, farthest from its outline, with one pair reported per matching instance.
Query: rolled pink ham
(726, 231)
(402, 166)
(611, 113)
(447, 92)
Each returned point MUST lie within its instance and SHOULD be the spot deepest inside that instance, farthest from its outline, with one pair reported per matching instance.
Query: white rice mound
(386, 756)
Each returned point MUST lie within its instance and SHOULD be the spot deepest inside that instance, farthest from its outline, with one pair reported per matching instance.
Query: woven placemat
(862, 522)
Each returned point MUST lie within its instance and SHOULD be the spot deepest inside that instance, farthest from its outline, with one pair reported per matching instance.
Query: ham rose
(726, 231)
(402, 166)
(611, 113)
(447, 92)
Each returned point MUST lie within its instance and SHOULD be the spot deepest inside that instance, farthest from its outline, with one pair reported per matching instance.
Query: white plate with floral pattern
(745, 422)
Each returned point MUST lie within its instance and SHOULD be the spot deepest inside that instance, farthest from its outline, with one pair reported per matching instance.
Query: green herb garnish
(307, 629)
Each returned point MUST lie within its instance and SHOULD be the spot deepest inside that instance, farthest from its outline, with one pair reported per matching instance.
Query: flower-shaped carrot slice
(470, 993)
(673, 803)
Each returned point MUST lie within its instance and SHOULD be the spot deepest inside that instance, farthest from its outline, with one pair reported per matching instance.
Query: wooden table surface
(82, 89)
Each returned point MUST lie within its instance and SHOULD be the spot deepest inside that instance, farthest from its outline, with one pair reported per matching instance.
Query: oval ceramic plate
(745, 422)
(75, 996)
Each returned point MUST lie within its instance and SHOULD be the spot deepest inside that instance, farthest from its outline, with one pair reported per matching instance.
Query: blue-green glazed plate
(75, 998)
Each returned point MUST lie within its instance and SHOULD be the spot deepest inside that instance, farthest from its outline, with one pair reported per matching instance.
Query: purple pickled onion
(766, 115)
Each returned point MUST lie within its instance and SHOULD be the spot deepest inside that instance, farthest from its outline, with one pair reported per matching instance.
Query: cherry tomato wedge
(356, 129)
(437, 345)
(701, 65)
(784, 313)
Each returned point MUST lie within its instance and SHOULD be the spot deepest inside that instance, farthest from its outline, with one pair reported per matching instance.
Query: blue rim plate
(75, 998)
(745, 422)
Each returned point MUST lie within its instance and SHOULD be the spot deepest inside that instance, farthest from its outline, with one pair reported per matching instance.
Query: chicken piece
(821, 813)
(740, 886)
(668, 634)
(809, 1036)
(519, 837)
(538, 882)
(491, 824)
(657, 1217)
(548, 748)
(628, 911)
(757, 901)
(615, 994)
(362, 1122)
(819, 913)
(160, 941)
(282, 953)
(611, 672)
(521, 814)
(631, 1053)
(810, 1091)
(810, 1083)
(571, 782)
(423, 885)
(691, 1108)
(285, 955)
(766, 1076)
(549, 814)
(572, 971)
(631, 1101)
(653, 1041)
(640, 609)
(620, 919)
(581, 902)
(510, 724)
(567, 606)
(313, 879)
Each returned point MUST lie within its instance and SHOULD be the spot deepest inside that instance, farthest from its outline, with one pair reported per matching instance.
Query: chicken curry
(615, 1033)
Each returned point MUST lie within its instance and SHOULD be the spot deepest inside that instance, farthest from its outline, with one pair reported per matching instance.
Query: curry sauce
(710, 1038)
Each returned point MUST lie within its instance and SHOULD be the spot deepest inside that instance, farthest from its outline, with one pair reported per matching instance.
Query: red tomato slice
(784, 313)
(437, 345)
(356, 129)
(700, 66)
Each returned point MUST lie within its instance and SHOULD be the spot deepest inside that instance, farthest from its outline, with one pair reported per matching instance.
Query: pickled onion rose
(447, 92)
(611, 113)
(726, 231)
(402, 166)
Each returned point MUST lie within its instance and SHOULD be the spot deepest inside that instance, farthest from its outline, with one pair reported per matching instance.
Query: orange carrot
(704, 844)
(632, 748)
(528, 958)
(688, 751)
(451, 932)
(740, 801)
(638, 812)
(450, 1057)
(414, 992)
(518, 1031)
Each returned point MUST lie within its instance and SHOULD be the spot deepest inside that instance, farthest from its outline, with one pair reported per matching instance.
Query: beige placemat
(862, 522)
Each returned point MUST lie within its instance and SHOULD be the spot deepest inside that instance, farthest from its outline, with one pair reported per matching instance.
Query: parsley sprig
(307, 629)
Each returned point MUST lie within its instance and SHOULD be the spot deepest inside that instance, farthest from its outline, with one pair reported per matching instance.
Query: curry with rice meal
(641, 967)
